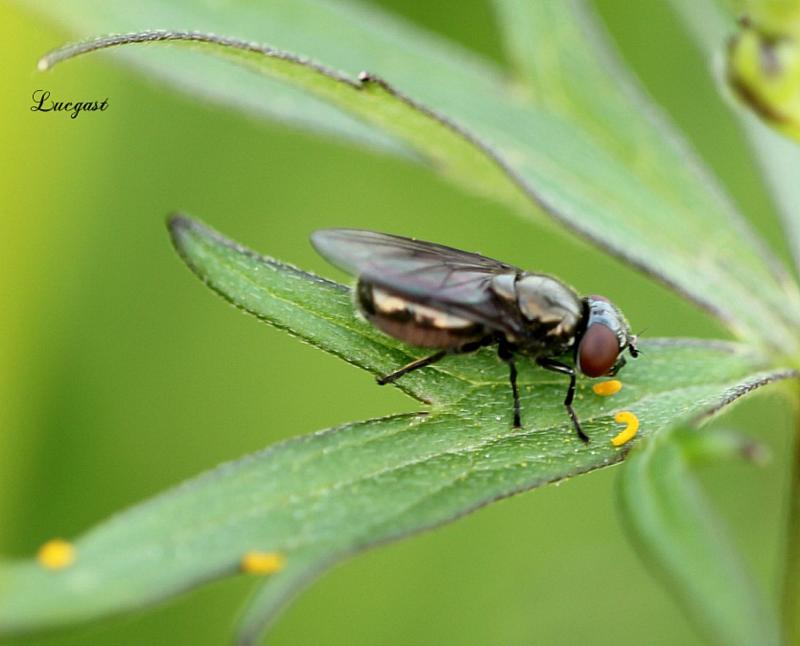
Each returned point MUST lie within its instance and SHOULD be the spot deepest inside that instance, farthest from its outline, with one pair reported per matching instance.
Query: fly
(437, 297)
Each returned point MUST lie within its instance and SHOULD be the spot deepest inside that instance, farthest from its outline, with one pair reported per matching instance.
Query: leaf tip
(180, 227)
(178, 222)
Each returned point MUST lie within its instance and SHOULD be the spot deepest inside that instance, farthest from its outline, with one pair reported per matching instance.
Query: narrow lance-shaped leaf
(318, 499)
(551, 159)
(454, 152)
(685, 542)
(213, 80)
(562, 52)
(346, 36)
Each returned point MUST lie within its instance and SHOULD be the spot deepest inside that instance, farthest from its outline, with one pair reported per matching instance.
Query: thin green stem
(791, 581)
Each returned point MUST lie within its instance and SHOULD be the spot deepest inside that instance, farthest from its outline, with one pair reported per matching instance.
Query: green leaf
(562, 52)
(778, 157)
(213, 80)
(454, 152)
(346, 36)
(321, 498)
(556, 161)
(683, 540)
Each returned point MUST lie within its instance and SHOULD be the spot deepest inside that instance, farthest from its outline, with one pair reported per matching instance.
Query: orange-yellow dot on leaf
(606, 388)
(630, 430)
(56, 554)
(262, 562)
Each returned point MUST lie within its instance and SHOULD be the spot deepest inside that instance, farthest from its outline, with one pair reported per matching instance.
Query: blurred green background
(122, 375)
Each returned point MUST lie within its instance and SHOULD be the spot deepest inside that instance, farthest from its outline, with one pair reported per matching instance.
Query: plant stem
(791, 580)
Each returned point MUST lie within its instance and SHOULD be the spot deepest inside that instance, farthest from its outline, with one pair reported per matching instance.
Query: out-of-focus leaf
(561, 51)
(685, 542)
(453, 151)
(778, 156)
(556, 160)
(321, 498)
(210, 79)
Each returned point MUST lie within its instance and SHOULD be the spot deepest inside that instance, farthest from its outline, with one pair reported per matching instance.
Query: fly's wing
(454, 281)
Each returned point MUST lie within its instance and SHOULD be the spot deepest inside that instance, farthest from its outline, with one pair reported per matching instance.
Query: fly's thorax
(551, 312)
(415, 323)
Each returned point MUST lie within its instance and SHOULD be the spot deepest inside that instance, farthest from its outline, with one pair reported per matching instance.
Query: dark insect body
(434, 296)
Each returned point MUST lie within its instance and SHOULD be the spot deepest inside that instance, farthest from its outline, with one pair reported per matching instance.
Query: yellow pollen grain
(607, 388)
(262, 562)
(630, 430)
(56, 554)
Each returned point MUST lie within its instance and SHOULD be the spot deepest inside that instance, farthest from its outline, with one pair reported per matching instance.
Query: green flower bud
(764, 72)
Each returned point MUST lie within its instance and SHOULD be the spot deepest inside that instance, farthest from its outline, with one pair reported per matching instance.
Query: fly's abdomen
(416, 324)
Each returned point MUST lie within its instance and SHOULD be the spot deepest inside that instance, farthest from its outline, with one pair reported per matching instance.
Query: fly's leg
(410, 367)
(436, 356)
(507, 355)
(564, 369)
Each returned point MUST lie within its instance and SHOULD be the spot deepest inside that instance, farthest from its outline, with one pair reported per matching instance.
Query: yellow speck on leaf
(262, 562)
(606, 388)
(56, 554)
(628, 433)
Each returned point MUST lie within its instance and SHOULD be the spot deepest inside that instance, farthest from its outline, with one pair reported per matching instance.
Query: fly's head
(601, 346)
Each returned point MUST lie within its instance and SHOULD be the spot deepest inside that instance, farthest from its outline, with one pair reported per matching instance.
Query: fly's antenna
(633, 348)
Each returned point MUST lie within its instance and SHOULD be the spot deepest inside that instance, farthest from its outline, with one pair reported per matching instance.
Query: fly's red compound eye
(598, 350)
